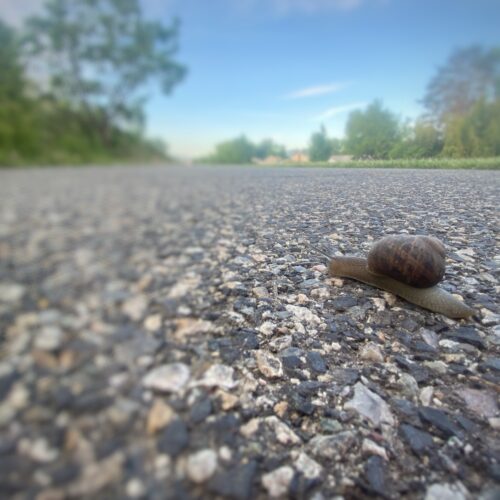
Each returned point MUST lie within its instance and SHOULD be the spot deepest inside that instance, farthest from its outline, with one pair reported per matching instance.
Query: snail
(407, 266)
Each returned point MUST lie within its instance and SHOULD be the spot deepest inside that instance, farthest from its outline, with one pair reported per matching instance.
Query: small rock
(482, 403)
(235, 483)
(168, 378)
(440, 421)
(174, 438)
(39, 450)
(135, 488)
(278, 481)
(284, 434)
(269, 365)
(426, 395)
(303, 314)
(309, 467)
(370, 405)
(159, 416)
(408, 385)
(267, 328)
(188, 327)
(316, 362)
(375, 475)
(447, 491)
(468, 335)
(201, 466)
(334, 446)
(135, 307)
(153, 323)
(49, 338)
(420, 442)
(260, 292)
(218, 376)
(371, 352)
(368, 447)
(10, 293)
(228, 400)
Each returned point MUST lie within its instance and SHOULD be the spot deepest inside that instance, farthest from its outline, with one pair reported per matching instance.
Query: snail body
(407, 266)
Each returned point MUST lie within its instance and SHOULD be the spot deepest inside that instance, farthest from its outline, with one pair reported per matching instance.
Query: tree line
(71, 82)
(461, 119)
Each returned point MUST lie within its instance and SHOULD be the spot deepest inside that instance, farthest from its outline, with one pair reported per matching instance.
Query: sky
(280, 68)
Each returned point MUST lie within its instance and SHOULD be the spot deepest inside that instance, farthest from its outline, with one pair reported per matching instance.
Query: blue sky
(280, 68)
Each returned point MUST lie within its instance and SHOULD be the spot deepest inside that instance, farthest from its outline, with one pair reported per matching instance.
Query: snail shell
(417, 261)
(416, 264)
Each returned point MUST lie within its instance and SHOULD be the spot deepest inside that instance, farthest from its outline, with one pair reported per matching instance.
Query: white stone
(309, 467)
(135, 488)
(371, 352)
(284, 434)
(426, 394)
(49, 338)
(218, 375)
(370, 405)
(269, 365)
(278, 481)
(303, 314)
(11, 293)
(201, 465)
(447, 491)
(135, 307)
(267, 328)
(168, 378)
(369, 447)
(153, 323)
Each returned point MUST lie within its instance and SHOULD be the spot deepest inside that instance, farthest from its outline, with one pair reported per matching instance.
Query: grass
(421, 163)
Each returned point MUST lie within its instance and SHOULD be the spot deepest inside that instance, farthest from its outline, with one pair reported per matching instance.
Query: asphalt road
(173, 333)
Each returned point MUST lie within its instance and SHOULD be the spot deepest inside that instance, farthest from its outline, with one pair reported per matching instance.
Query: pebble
(171, 377)
(371, 352)
(368, 447)
(153, 323)
(370, 405)
(447, 491)
(480, 402)
(49, 338)
(10, 293)
(135, 307)
(201, 466)
(219, 376)
(174, 439)
(309, 467)
(159, 416)
(270, 366)
(278, 481)
(332, 447)
(420, 442)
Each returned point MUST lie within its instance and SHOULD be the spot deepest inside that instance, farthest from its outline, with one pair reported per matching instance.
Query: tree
(373, 132)
(239, 150)
(18, 127)
(470, 74)
(268, 147)
(99, 54)
(320, 147)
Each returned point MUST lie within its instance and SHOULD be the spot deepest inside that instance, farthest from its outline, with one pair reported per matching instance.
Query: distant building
(269, 160)
(340, 158)
(299, 157)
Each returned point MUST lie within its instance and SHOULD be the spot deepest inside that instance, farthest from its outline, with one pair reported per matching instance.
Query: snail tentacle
(434, 298)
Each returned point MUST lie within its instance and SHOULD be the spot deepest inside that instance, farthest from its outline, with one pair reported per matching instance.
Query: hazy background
(279, 69)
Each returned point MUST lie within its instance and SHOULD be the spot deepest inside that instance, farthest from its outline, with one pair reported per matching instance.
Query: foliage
(99, 53)
(320, 147)
(93, 58)
(470, 75)
(241, 150)
(372, 133)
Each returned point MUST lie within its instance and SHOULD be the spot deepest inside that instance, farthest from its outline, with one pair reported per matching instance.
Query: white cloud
(316, 90)
(337, 110)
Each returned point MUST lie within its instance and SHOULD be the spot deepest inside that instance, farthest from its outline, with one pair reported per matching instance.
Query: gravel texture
(173, 333)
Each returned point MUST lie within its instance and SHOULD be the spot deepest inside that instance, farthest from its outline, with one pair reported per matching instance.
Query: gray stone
(370, 405)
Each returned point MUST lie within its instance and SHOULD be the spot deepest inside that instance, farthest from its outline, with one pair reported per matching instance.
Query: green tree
(239, 150)
(268, 147)
(99, 54)
(372, 133)
(320, 146)
(18, 117)
(470, 74)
